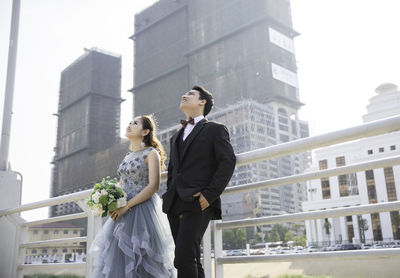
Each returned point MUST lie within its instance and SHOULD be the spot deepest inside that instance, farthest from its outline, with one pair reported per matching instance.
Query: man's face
(191, 101)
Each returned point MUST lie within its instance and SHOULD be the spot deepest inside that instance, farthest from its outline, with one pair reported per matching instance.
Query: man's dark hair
(204, 94)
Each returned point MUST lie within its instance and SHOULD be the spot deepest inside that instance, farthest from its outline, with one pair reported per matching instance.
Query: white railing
(362, 131)
(94, 223)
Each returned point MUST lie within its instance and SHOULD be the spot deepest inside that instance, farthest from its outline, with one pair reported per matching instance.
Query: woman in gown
(136, 241)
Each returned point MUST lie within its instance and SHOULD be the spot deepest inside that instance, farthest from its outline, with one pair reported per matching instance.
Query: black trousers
(188, 224)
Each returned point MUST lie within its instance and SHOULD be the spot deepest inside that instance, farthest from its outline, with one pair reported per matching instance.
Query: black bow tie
(184, 122)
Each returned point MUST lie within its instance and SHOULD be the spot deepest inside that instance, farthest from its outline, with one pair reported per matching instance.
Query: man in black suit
(201, 164)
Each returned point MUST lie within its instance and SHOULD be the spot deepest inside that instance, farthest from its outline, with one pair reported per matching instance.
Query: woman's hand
(116, 214)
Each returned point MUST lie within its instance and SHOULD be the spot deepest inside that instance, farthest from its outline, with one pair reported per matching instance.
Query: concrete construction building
(238, 49)
(88, 121)
(368, 187)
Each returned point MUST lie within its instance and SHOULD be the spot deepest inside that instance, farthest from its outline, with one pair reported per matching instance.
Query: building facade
(58, 252)
(368, 187)
(238, 49)
(88, 120)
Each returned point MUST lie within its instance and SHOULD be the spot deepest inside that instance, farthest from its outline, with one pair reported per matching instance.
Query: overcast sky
(346, 49)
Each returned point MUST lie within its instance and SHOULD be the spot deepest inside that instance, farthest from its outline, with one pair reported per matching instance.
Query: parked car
(349, 246)
(236, 252)
(366, 246)
(397, 245)
(298, 249)
(257, 251)
(312, 249)
(378, 246)
(334, 247)
(283, 250)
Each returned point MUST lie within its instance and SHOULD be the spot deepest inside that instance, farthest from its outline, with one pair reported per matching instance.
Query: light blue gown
(140, 243)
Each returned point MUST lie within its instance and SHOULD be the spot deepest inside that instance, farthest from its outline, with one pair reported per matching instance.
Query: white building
(372, 186)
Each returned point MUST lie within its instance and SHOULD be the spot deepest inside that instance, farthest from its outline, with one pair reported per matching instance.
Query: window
(75, 232)
(390, 186)
(65, 232)
(35, 232)
(44, 250)
(393, 148)
(54, 251)
(381, 150)
(369, 175)
(34, 251)
(56, 232)
(323, 164)
(46, 232)
(340, 161)
(370, 151)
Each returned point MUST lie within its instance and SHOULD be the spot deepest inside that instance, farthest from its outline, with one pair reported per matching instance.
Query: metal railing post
(21, 237)
(218, 251)
(207, 251)
(94, 225)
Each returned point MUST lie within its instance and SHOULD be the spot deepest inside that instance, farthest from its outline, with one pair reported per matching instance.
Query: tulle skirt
(139, 244)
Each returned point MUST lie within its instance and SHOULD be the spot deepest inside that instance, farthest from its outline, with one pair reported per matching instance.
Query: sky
(346, 48)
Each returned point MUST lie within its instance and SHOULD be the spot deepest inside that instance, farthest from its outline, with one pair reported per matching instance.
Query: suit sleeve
(170, 169)
(226, 161)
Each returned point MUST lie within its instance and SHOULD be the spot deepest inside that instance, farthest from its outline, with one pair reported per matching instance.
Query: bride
(135, 240)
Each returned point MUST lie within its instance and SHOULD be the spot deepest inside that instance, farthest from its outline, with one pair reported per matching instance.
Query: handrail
(373, 164)
(53, 242)
(351, 254)
(299, 216)
(56, 219)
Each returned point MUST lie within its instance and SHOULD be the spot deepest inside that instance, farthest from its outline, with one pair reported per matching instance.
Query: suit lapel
(199, 126)
(175, 146)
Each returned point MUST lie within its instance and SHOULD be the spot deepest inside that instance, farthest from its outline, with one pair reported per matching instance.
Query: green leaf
(103, 200)
(112, 206)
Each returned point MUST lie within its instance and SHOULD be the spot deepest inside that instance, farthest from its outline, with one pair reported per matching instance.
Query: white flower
(104, 192)
(96, 197)
(121, 202)
(97, 210)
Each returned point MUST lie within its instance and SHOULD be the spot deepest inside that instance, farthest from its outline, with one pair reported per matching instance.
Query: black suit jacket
(205, 165)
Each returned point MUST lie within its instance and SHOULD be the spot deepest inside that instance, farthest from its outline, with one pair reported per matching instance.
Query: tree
(266, 237)
(300, 240)
(241, 237)
(288, 236)
(228, 238)
(274, 236)
(296, 229)
(327, 226)
(362, 226)
(281, 230)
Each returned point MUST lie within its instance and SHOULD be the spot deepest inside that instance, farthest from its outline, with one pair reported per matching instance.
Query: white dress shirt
(189, 127)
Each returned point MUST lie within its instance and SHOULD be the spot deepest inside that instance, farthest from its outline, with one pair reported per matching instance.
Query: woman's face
(135, 128)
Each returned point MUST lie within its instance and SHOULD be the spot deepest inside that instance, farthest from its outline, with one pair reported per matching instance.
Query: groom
(201, 164)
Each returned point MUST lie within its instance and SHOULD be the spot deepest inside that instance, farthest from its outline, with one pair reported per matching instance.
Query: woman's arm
(153, 162)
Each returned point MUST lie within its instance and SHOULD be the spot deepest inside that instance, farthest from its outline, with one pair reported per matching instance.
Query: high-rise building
(238, 49)
(88, 119)
(360, 188)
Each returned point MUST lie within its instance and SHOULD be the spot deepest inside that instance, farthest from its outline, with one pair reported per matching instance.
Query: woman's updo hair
(150, 140)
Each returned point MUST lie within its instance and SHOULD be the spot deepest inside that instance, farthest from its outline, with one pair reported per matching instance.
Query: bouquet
(106, 197)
